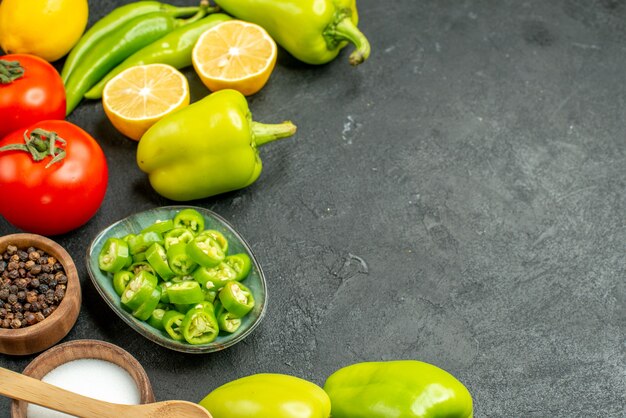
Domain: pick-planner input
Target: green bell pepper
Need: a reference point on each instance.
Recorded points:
(313, 31)
(236, 299)
(401, 389)
(268, 395)
(220, 152)
(114, 256)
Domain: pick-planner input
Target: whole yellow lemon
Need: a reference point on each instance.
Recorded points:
(46, 28)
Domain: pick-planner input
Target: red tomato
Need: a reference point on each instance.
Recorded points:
(37, 95)
(61, 197)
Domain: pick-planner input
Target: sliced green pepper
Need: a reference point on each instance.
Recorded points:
(114, 255)
(199, 326)
(209, 295)
(176, 236)
(241, 263)
(205, 251)
(160, 226)
(190, 219)
(236, 299)
(121, 280)
(156, 319)
(214, 278)
(139, 289)
(138, 266)
(172, 321)
(157, 257)
(148, 306)
(141, 242)
(228, 322)
(185, 293)
(403, 388)
(217, 236)
(179, 261)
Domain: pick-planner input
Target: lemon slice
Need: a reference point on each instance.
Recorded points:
(138, 97)
(235, 55)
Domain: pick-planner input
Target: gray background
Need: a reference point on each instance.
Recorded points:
(457, 199)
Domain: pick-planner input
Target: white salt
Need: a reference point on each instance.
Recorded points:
(94, 378)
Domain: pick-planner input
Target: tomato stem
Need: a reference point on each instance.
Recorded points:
(40, 144)
(10, 71)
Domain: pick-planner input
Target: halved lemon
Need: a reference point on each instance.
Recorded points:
(138, 97)
(235, 55)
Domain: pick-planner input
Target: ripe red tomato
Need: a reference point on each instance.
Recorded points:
(37, 95)
(55, 199)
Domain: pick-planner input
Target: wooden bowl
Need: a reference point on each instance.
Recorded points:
(43, 335)
(85, 349)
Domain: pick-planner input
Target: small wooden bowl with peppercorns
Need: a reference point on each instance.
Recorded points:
(40, 293)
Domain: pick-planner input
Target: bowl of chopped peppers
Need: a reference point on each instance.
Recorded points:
(181, 276)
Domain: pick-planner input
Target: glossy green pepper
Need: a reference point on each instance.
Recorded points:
(399, 389)
(313, 31)
(199, 326)
(268, 396)
(120, 281)
(236, 299)
(114, 255)
(190, 219)
(173, 49)
(220, 152)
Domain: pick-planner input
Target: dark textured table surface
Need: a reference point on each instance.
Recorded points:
(457, 199)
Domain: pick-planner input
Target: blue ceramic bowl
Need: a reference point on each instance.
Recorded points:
(236, 244)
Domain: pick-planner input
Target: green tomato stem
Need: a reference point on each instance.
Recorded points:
(10, 71)
(38, 147)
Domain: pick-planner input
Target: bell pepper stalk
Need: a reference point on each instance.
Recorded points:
(241, 263)
(144, 311)
(160, 226)
(313, 31)
(172, 321)
(268, 395)
(221, 148)
(199, 326)
(157, 257)
(236, 299)
(217, 236)
(179, 261)
(205, 251)
(176, 236)
(114, 255)
(139, 289)
(402, 388)
(214, 278)
(185, 293)
(190, 219)
(120, 281)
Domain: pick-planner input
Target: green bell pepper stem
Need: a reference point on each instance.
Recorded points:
(114, 255)
(346, 30)
(177, 235)
(157, 257)
(144, 311)
(264, 133)
(140, 243)
(403, 388)
(172, 321)
(173, 49)
(112, 22)
(236, 299)
(120, 281)
(159, 226)
(205, 251)
(241, 263)
(139, 290)
(199, 326)
(214, 278)
(217, 236)
(190, 219)
(179, 261)
(185, 293)
(228, 322)
(156, 319)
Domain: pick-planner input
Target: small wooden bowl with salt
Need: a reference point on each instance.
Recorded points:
(90, 367)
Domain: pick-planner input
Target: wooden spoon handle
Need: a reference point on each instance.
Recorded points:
(25, 388)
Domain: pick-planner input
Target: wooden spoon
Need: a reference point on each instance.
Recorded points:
(18, 386)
